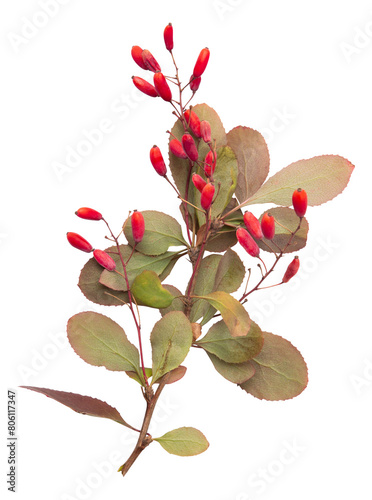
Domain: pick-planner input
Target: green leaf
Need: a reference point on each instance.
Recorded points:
(281, 372)
(233, 372)
(171, 339)
(288, 218)
(96, 292)
(100, 341)
(216, 272)
(184, 442)
(322, 177)
(253, 158)
(177, 304)
(231, 349)
(147, 291)
(161, 232)
(137, 264)
(232, 312)
(82, 404)
(225, 176)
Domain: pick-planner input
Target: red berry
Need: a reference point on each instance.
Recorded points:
(137, 56)
(104, 260)
(291, 270)
(157, 161)
(198, 182)
(268, 226)
(149, 61)
(88, 213)
(210, 163)
(168, 37)
(189, 147)
(247, 242)
(144, 86)
(176, 147)
(201, 62)
(253, 225)
(79, 242)
(299, 200)
(138, 226)
(162, 86)
(195, 83)
(193, 122)
(205, 131)
(207, 196)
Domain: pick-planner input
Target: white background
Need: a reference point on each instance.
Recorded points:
(310, 61)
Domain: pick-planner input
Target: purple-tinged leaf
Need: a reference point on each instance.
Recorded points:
(322, 177)
(82, 404)
(253, 158)
(281, 372)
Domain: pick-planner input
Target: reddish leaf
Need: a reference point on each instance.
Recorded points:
(82, 404)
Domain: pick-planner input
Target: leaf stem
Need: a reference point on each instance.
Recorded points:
(144, 439)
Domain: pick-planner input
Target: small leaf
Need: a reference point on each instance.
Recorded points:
(174, 375)
(231, 349)
(288, 218)
(147, 290)
(322, 177)
(281, 372)
(233, 372)
(253, 158)
(82, 404)
(99, 341)
(161, 232)
(232, 312)
(184, 442)
(138, 263)
(171, 340)
(134, 376)
(96, 292)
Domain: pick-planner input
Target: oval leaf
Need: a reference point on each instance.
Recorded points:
(233, 372)
(100, 341)
(184, 442)
(281, 371)
(147, 290)
(231, 349)
(288, 218)
(82, 404)
(253, 159)
(137, 264)
(161, 232)
(233, 313)
(96, 292)
(171, 339)
(322, 177)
